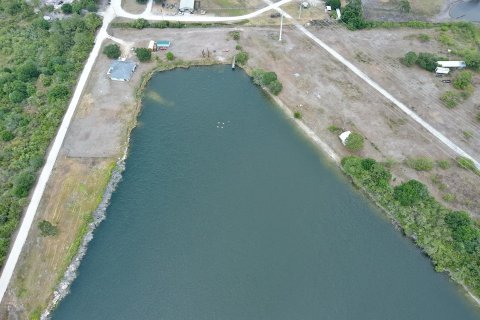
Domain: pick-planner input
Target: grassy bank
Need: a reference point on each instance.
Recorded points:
(450, 238)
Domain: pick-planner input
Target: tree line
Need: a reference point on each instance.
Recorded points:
(39, 65)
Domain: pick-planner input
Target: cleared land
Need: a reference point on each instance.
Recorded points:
(133, 6)
(324, 91)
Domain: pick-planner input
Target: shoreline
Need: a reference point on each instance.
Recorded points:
(70, 274)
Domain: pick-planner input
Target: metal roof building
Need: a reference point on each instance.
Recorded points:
(187, 5)
(452, 64)
(121, 70)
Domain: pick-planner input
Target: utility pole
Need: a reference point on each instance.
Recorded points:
(281, 28)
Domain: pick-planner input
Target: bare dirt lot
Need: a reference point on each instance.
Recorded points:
(323, 90)
(390, 10)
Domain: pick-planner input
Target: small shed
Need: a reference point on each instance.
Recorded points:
(152, 45)
(339, 14)
(441, 70)
(162, 44)
(121, 70)
(452, 64)
(344, 136)
(187, 5)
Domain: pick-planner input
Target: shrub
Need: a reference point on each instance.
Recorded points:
(47, 229)
(268, 77)
(472, 59)
(275, 87)
(427, 61)
(142, 1)
(22, 184)
(404, 6)
(140, 24)
(335, 4)
(423, 37)
(170, 56)
(7, 135)
(448, 197)
(59, 92)
(67, 8)
(354, 142)
(464, 232)
(410, 59)
(443, 164)
(297, 115)
(143, 54)
(451, 99)
(463, 80)
(235, 35)
(420, 164)
(238, 47)
(335, 129)
(241, 58)
(410, 193)
(112, 51)
(478, 117)
(467, 164)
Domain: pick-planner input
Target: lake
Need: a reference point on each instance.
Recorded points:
(226, 211)
(469, 10)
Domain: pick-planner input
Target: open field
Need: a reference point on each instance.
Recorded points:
(390, 9)
(323, 90)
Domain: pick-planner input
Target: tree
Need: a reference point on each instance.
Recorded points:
(463, 80)
(112, 51)
(67, 8)
(143, 54)
(335, 4)
(352, 15)
(28, 70)
(59, 92)
(463, 230)
(142, 1)
(410, 59)
(170, 56)
(354, 142)
(472, 59)
(268, 77)
(410, 193)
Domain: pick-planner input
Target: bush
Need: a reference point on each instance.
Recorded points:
(410, 193)
(467, 164)
(238, 47)
(22, 183)
(170, 56)
(464, 232)
(112, 51)
(241, 58)
(463, 80)
(451, 99)
(142, 1)
(443, 164)
(268, 77)
(297, 115)
(420, 164)
(427, 61)
(410, 59)
(140, 24)
(335, 4)
(472, 59)
(59, 92)
(67, 8)
(423, 37)
(47, 229)
(354, 142)
(7, 135)
(275, 87)
(143, 54)
(235, 35)
(404, 6)
(478, 117)
(335, 129)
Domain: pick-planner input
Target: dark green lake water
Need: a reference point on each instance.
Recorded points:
(244, 222)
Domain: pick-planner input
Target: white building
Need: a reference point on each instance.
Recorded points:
(187, 5)
(452, 64)
(441, 70)
(344, 136)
